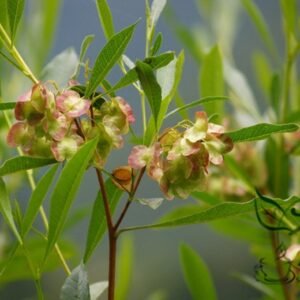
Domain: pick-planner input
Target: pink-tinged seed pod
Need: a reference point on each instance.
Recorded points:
(70, 103)
(17, 134)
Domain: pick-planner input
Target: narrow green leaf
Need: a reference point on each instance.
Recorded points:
(108, 56)
(159, 61)
(196, 103)
(15, 11)
(151, 87)
(85, 45)
(61, 67)
(157, 44)
(105, 18)
(259, 21)
(196, 274)
(125, 266)
(22, 163)
(260, 131)
(3, 15)
(36, 199)
(7, 105)
(155, 62)
(66, 189)
(216, 212)
(83, 49)
(289, 10)
(97, 226)
(211, 80)
(76, 286)
(6, 210)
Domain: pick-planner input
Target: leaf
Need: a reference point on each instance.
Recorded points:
(289, 10)
(195, 103)
(15, 10)
(3, 15)
(157, 44)
(125, 268)
(6, 210)
(211, 80)
(17, 268)
(76, 286)
(216, 212)
(97, 289)
(153, 203)
(108, 56)
(196, 274)
(88, 39)
(173, 72)
(23, 163)
(259, 21)
(155, 62)
(98, 226)
(157, 7)
(151, 87)
(7, 105)
(65, 191)
(61, 67)
(105, 18)
(36, 199)
(260, 131)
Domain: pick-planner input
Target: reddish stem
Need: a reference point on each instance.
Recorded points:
(111, 236)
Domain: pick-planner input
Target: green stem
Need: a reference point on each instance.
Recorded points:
(16, 55)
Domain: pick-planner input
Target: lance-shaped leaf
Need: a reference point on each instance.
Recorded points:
(108, 56)
(217, 212)
(155, 62)
(196, 274)
(83, 49)
(7, 105)
(260, 131)
(105, 18)
(22, 163)
(211, 80)
(15, 10)
(36, 199)
(76, 286)
(6, 210)
(97, 226)
(66, 189)
(150, 86)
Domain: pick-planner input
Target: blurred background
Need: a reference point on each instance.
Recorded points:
(156, 266)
